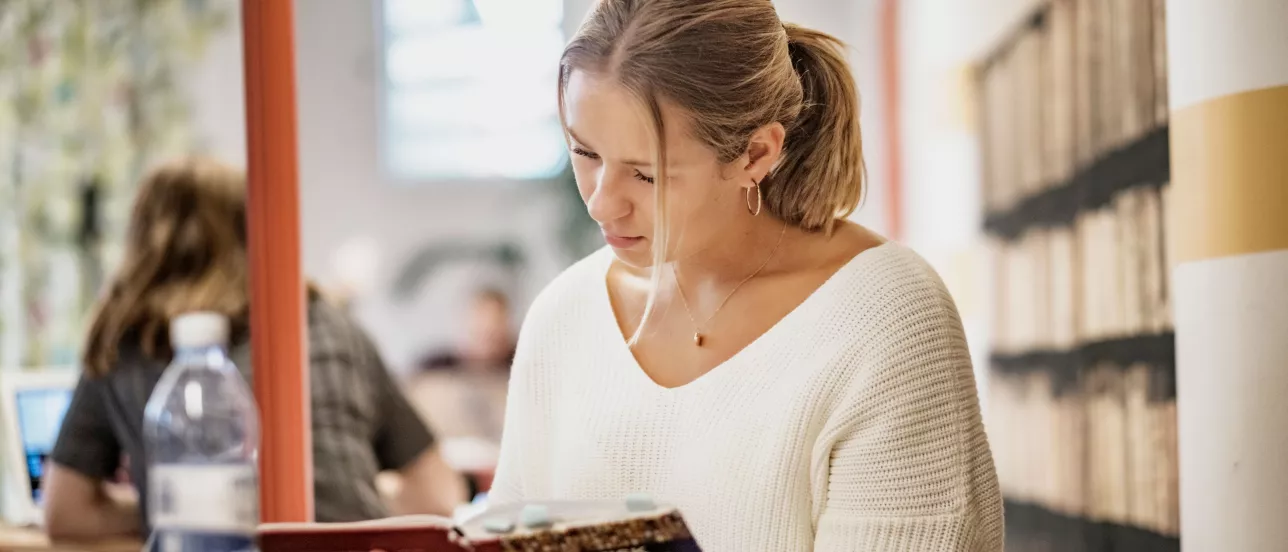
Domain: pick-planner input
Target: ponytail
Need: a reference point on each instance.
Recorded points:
(821, 174)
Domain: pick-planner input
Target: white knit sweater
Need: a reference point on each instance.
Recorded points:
(851, 425)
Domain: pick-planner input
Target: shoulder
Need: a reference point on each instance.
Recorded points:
(890, 293)
(903, 337)
(561, 315)
(333, 331)
(897, 325)
(570, 293)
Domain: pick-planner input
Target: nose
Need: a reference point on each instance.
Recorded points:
(608, 201)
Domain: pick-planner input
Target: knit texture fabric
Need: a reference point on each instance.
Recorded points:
(851, 425)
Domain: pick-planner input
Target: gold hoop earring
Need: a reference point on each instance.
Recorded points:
(759, 200)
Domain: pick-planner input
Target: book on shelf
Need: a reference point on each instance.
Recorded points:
(1073, 415)
(1153, 454)
(630, 525)
(1086, 43)
(1035, 265)
(1045, 104)
(1151, 270)
(1142, 464)
(1131, 250)
(1060, 95)
(1063, 264)
(1167, 490)
(1125, 28)
(1108, 430)
(998, 148)
(1162, 257)
(1141, 74)
(1106, 108)
(1127, 279)
(1160, 60)
(1012, 176)
(1112, 277)
(1028, 88)
(987, 147)
(1088, 264)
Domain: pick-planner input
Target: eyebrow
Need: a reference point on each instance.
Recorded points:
(632, 162)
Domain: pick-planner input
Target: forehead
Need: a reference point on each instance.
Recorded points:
(603, 115)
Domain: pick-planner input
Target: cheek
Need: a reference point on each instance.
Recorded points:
(701, 203)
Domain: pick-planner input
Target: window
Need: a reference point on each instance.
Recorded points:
(469, 89)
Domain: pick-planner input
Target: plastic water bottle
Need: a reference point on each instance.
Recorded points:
(201, 432)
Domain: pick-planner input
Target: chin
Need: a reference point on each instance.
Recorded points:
(633, 257)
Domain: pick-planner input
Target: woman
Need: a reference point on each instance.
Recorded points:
(186, 251)
(788, 379)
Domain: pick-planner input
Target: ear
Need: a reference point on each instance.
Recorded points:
(763, 151)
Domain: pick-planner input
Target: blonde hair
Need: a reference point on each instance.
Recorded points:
(733, 67)
(185, 250)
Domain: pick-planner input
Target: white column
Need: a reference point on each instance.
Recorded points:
(1229, 237)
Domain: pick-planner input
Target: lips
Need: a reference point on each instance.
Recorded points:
(622, 242)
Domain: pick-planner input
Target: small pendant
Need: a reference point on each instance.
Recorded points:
(698, 338)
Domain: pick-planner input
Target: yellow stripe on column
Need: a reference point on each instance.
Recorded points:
(1230, 174)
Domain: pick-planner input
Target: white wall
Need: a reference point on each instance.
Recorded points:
(217, 91)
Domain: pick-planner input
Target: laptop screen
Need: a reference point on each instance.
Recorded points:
(40, 414)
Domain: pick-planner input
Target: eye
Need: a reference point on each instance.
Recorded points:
(585, 153)
(640, 176)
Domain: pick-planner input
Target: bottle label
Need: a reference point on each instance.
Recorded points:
(215, 498)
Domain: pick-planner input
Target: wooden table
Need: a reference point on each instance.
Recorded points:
(21, 539)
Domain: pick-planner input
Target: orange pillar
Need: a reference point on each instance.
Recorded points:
(891, 89)
(278, 338)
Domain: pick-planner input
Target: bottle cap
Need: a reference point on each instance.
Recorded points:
(198, 329)
(640, 502)
(535, 516)
(498, 525)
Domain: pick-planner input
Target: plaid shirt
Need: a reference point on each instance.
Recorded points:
(362, 423)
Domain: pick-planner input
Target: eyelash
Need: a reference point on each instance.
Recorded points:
(589, 155)
(585, 153)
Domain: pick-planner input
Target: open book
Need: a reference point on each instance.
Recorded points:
(631, 525)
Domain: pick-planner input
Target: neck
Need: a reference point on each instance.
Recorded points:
(727, 262)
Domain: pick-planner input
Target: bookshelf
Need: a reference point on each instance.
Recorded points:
(1082, 398)
(1143, 163)
(1032, 527)
(1156, 351)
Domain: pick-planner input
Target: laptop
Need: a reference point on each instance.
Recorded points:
(32, 405)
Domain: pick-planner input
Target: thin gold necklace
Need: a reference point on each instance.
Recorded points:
(698, 337)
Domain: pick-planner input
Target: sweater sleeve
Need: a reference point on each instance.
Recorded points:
(525, 394)
(507, 485)
(908, 466)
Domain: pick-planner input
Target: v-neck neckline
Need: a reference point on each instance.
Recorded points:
(621, 347)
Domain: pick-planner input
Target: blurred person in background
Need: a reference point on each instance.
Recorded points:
(788, 379)
(487, 346)
(186, 251)
(461, 392)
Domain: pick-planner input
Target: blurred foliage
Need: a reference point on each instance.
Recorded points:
(90, 96)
